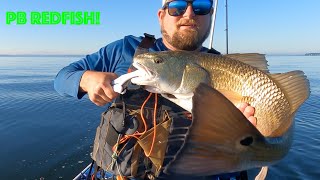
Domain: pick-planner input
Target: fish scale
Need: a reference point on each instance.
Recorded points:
(254, 86)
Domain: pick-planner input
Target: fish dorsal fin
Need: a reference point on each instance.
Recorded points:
(253, 59)
(295, 86)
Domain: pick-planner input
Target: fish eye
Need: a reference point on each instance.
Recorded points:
(158, 60)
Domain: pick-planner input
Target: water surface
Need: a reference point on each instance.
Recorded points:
(46, 135)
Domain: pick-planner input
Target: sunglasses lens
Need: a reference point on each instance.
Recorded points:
(177, 8)
(201, 7)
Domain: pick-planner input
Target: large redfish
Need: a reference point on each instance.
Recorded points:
(220, 138)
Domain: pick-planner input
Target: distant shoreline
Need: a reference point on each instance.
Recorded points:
(312, 54)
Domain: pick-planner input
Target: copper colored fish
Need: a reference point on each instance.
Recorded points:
(220, 138)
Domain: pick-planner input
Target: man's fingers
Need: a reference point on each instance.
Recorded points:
(98, 86)
(107, 87)
(98, 95)
(253, 120)
(103, 94)
(100, 91)
(109, 92)
(248, 112)
(242, 106)
(98, 100)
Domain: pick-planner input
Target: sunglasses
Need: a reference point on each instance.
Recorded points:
(179, 7)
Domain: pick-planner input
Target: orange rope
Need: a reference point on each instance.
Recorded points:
(142, 117)
(137, 134)
(154, 124)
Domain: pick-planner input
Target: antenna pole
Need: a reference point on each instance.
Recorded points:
(213, 21)
(227, 38)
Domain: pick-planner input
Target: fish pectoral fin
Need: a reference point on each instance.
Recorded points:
(216, 113)
(253, 59)
(219, 138)
(295, 85)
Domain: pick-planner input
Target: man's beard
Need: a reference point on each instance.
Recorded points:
(188, 40)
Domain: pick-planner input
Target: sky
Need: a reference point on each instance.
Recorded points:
(260, 26)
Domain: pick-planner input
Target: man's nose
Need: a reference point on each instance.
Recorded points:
(189, 11)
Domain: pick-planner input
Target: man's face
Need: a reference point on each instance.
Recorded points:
(185, 32)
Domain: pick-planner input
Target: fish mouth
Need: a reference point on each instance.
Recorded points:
(142, 68)
(147, 76)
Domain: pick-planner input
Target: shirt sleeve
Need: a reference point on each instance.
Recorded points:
(67, 81)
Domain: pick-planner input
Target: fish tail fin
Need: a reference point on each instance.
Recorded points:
(218, 139)
(295, 85)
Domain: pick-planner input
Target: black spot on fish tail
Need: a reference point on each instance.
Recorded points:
(247, 141)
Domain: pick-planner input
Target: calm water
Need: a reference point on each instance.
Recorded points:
(45, 135)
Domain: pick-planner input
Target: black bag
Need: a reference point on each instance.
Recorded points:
(115, 122)
(119, 120)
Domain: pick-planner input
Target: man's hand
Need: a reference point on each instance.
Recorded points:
(248, 112)
(98, 86)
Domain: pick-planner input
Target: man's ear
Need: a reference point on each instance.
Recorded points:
(161, 14)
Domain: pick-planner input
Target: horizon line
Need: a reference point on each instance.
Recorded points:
(82, 55)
